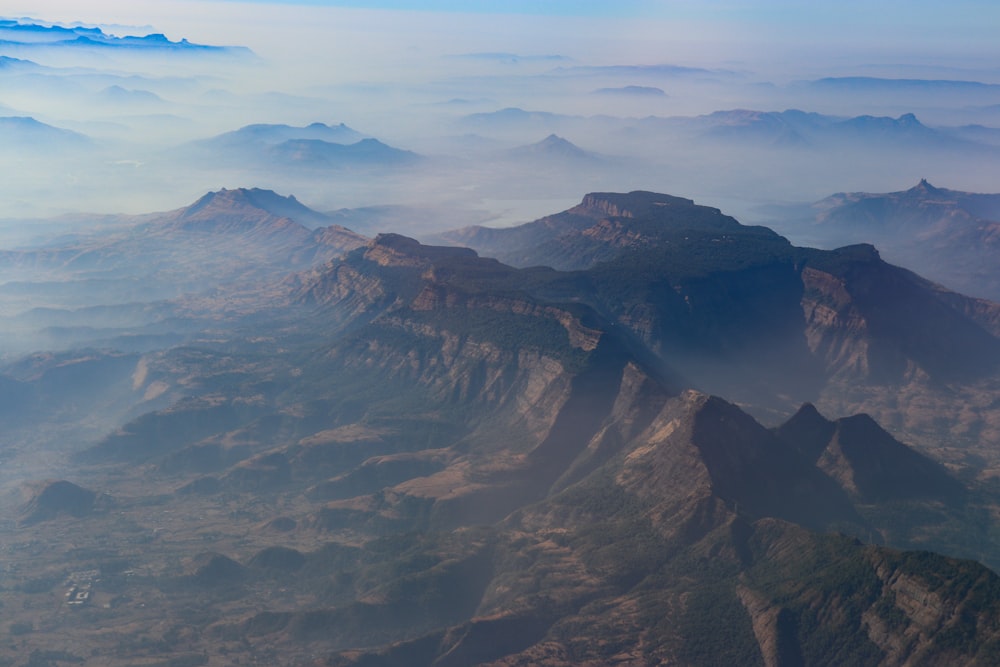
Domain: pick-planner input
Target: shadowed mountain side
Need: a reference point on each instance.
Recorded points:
(53, 498)
(867, 462)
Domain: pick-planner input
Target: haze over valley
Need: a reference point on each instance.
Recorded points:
(661, 334)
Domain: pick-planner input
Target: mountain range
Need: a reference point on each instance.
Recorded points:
(312, 146)
(402, 453)
(29, 34)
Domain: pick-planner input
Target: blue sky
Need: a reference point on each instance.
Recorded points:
(548, 8)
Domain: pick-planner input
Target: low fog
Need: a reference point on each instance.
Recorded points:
(469, 96)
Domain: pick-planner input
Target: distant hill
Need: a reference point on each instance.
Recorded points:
(271, 134)
(26, 132)
(552, 148)
(638, 91)
(793, 128)
(318, 153)
(315, 146)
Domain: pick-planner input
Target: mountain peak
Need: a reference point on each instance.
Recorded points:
(873, 466)
(552, 146)
(253, 202)
(808, 431)
(924, 188)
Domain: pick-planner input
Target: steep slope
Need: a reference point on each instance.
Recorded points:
(865, 460)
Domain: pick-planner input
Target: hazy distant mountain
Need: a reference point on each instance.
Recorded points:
(553, 148)
(794, 128)
(865, 83)
(317, 146)
(318, 153)
(653, 71)
(270, 134)
(26, 132)
(25, 33)
(9, 64)
(749, 128)
(952, 236)
(641, 91)
(512, 117)
(503, 57)
(123, 96)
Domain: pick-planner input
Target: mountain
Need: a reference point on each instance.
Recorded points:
(869, 464)
(242, 206)
(588, 233)
(317, 153)
(130, 97)
(312, 146)
(251, 135)
(237, 235)
(937, 86)
(793, 128)
(552, 148)
(23, 132)
(640, 91)
(513, 117)
(53, 498)
(951, 235)
(30, 34)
